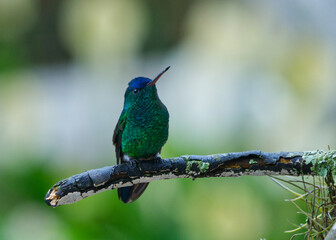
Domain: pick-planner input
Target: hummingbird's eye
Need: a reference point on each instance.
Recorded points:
(135, 91)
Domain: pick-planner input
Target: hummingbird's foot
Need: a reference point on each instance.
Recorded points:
(136, 162)
(132, 163)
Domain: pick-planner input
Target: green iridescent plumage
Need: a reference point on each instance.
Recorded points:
(146, 128)
(142, 128)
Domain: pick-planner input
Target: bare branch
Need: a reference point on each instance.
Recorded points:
(254, 163)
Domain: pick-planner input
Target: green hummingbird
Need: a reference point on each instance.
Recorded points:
(142, 129)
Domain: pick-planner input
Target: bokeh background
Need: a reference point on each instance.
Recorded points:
(245, 75)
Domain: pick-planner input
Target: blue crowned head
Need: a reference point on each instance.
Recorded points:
(141, 89)
(139, 82)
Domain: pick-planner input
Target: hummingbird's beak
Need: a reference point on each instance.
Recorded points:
(157, 77)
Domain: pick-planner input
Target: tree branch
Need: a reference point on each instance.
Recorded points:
(254, 163)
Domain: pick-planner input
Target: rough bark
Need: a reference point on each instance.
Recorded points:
(254, 163)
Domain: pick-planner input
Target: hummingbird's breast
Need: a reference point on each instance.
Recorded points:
(146, 129)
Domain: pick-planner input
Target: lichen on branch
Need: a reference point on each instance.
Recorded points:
(323, 162)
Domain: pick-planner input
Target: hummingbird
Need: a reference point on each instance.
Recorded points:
(142, 129)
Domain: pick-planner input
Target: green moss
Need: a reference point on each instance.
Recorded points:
(323, 162)
(202, 166)
(252, 162)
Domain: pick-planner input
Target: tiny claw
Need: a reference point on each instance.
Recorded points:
(132, 163)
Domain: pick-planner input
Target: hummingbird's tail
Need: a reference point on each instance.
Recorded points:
(132, 193)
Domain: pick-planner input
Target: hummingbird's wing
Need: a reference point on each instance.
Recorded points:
(116, 139)
(131, 193)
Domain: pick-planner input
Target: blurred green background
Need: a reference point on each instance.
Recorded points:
(245, 75)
